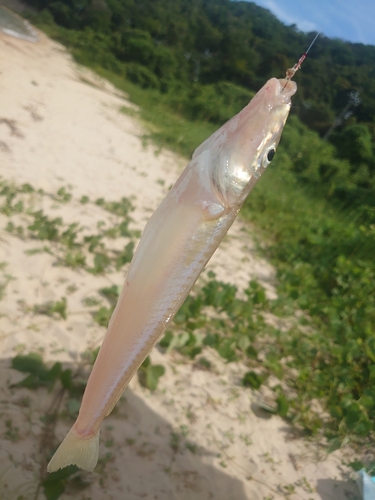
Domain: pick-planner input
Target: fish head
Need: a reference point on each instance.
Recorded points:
(241, 150)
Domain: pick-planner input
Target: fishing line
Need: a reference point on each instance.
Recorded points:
(290, 72)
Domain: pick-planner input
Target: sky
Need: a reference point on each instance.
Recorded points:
(351, 20)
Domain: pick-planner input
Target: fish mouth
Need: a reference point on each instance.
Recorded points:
(287, 87)
(279, 92)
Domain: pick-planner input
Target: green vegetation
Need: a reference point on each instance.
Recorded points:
(4, 279)
(68, 389)
(50, 308)
(324, 257)
(192, 49)
(66, 241)
(149, 374)
(339, 375)
(307, 356)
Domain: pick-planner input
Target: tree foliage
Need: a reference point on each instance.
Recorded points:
(208, 57)
(207, 41)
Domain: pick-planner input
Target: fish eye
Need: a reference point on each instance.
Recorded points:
(267, 157)
(271, 154)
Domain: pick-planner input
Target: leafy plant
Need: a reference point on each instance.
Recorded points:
(149, 374)
(103, 315)
(253, 380)
(45, 228)
(12, 432)
(74, 259)
(49, 308)
(63, 195)
(39, 374)
(121, 208)
(125, 256)
(84, 199)
(4, 280)
(91, 301)
(55, 483)
(101, 262)
(112, 293)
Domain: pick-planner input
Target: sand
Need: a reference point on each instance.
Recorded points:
(200, 434)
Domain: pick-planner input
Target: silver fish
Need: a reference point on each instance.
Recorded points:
(176, 244)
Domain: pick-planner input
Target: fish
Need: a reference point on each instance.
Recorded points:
(176, 244)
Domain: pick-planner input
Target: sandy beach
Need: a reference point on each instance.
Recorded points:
(199, 435)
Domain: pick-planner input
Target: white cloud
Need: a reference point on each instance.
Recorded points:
(287, 18)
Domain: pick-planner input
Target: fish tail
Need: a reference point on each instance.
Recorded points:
(76, 450)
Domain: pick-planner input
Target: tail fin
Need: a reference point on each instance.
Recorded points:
(74, 450)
